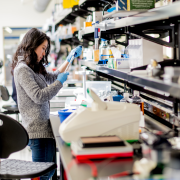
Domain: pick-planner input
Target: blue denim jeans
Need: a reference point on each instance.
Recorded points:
(43, 150)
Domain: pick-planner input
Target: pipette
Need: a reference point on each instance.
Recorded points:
(70, 62)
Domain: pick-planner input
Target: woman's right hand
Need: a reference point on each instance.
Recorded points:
(62, 77)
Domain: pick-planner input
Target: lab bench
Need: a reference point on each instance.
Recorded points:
(105, 168)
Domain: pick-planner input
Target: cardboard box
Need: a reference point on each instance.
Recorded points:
(128, 5)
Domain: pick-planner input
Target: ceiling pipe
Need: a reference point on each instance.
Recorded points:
(40, 5)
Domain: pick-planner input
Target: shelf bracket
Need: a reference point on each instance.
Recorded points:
(162, 30)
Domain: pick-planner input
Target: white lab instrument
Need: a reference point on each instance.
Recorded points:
(84, 73)
(103, 118)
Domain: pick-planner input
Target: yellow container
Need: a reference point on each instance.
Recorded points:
(96, 55)
(74, 2)
(110, 54)
(87, 24)
(70, 3)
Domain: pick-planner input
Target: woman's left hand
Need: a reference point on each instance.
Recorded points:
(75, 52)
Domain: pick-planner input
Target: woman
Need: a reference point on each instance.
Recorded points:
(33, 93)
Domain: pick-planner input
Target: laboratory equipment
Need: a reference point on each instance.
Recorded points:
(171, 74)
(122, 63)
(88, 22)
(97, 34)
(136, 99)
(97, 16)
(87, 54)
(64, 113)
(153, 69)
(125, 98)
(140, 52)
(84, 73)
(103, 118)
(103, 49)
(69, 64)
(82, 154)
(97, 87)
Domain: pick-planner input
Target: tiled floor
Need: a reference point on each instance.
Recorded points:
(24, 154)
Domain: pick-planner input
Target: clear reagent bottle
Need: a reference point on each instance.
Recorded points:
(136, 99)
(125, 98)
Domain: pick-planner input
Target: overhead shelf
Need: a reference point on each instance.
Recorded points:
(149, 82)
(156, 14)
(73, 40)
(82, 10)
(62, 15)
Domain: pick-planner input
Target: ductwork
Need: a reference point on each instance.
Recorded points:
(41, 5)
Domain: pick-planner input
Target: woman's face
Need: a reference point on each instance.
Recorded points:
(41, 50)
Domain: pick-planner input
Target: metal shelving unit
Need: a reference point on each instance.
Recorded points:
(172, 88)
(164, 21)
(161, 13)
(73, 40)
(81, 10)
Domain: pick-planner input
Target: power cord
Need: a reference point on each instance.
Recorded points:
(106, 7)
(122, 174)
(107, 4)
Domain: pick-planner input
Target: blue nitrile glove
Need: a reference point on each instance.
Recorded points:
(62, 77)
(75, 52)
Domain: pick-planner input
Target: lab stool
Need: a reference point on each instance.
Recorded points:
(13, 137)
(11, 109)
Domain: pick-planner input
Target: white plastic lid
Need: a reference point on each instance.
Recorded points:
(136, 93)
(112, 42)
(126, 95)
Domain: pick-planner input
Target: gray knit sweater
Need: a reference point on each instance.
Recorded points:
(33, 99)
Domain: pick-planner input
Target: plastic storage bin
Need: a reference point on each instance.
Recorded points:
(64, 113)
(117, 98)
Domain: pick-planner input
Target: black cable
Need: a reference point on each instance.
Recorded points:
(105, 7)
(108, 3)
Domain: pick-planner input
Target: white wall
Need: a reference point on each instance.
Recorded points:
(14, 13)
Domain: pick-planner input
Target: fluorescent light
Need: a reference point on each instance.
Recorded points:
(9, 30)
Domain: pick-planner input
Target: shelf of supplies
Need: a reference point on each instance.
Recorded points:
(147, 82)
(156, 14)
(68, 16)
(123, 13)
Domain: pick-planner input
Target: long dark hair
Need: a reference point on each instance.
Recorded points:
(32, 39)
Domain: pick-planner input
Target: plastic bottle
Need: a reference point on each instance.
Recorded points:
(112, 45)
(103, 49)
(136, 99)
(125, 98)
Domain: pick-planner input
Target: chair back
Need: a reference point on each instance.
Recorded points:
(13, 136)
(4, 93)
